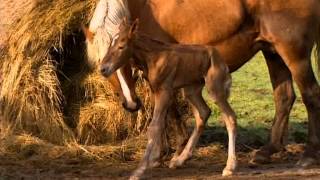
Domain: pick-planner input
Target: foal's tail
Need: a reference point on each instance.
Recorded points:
(317, 42)
(317, 51)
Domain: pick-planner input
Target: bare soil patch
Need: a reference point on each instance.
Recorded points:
(46, 161)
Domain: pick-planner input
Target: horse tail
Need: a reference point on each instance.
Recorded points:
(317, 50)
(317, 43)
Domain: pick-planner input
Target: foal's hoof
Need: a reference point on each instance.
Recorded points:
(260, 157)
(305, 162)
(155, 164)
(133, 177)
(227, 172)
(175, 163)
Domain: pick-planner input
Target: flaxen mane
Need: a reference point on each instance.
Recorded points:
(104, 24)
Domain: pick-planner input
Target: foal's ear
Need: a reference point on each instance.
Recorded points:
(134, 28)
(88, 34)
(123, 24)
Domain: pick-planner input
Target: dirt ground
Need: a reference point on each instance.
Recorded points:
(207, 163)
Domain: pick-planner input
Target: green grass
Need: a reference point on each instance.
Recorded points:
(252, 100)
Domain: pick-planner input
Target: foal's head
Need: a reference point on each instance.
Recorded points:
(120, 51)
(118, 56)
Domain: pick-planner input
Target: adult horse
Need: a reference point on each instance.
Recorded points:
(284, 30)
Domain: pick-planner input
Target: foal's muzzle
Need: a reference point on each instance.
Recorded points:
(129, 108)
(106, 69)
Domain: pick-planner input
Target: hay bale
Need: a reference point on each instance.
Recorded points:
(95, 112)
(31, 94)
(49, 91)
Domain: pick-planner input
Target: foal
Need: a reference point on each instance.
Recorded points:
(168, 67)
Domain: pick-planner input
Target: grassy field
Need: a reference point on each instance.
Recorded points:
(252, 100)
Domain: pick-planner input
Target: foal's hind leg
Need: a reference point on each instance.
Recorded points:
(284, 98)
(229, 118)
(155, 130)
(218, 83)
(201, 112)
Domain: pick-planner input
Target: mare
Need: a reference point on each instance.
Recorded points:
(167, 68)
(284, 30)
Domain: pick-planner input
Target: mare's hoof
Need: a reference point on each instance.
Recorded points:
(227, 172)
(260, 157)
(305, 162)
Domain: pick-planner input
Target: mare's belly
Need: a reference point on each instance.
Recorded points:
(198, 21)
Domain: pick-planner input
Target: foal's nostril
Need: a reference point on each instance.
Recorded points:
(104, 70)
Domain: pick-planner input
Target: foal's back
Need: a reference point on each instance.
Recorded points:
(182, 64)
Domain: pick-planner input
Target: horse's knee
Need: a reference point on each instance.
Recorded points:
(230, 120)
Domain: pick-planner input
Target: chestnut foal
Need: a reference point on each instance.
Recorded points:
(168, 67)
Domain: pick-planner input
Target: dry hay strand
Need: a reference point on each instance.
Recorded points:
(100, 116)
(104, 124)
(145, 113)
(42, 153)
(31, 94)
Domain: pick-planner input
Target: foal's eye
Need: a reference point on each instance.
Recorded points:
(121, 47)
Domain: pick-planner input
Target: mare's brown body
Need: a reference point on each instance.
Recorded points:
(170, 67)
(285, 31)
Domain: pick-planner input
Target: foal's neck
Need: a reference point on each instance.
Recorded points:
(146, 49)
(147, 44)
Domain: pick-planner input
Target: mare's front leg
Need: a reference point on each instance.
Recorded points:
(284, 98)
(155, 130)
(201, 112)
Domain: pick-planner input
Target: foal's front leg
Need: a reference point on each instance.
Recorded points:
(162, 102)
(201, 112)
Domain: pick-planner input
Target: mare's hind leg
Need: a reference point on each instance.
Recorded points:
(284, 98)
(218, 83)
(293, 39)
(201, 112)
(155, 131)
(298, 61)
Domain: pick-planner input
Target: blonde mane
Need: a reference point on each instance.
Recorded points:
(104, 24)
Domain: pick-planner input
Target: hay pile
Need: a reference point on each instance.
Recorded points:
(49, 92)
(47, 89)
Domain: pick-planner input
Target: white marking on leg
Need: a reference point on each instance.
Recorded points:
(232, 158)
(126, 90)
